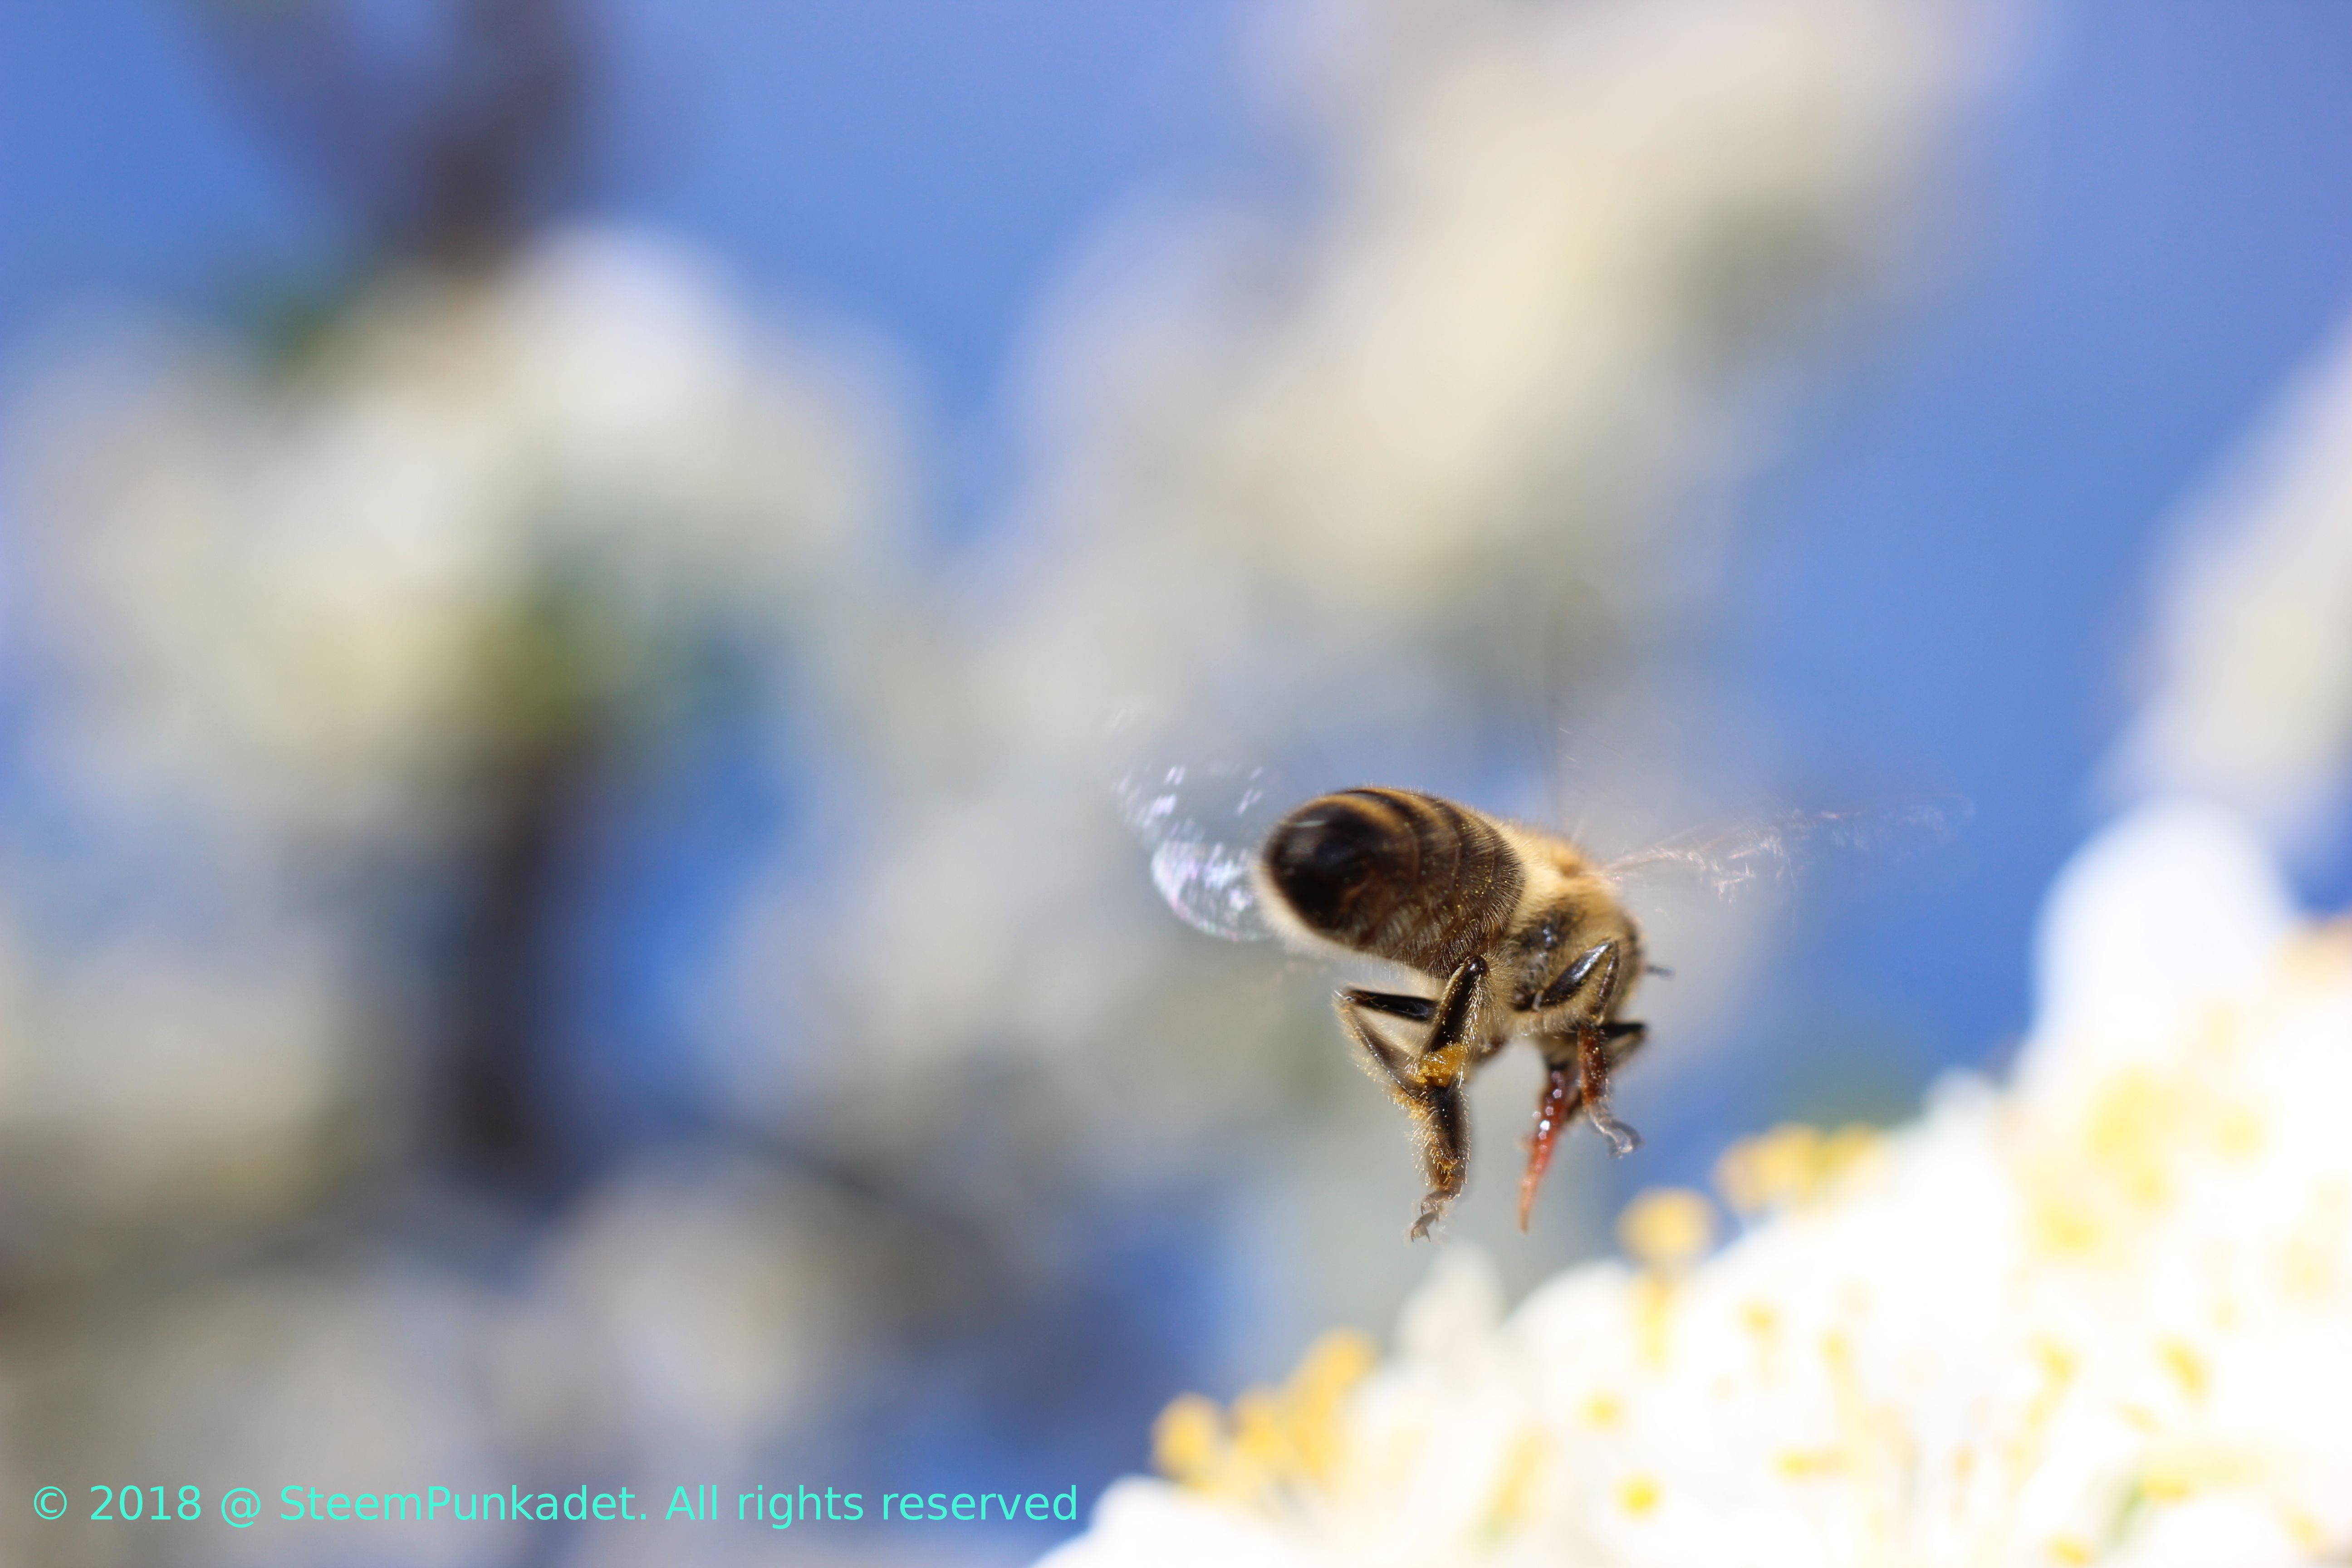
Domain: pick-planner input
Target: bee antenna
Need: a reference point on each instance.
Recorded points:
(1662, 971)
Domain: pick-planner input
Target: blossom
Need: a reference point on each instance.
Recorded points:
(282, 599)
(278, 617)
(2102, 1314)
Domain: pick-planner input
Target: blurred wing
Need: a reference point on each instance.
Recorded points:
(1764, 857)
(1201, 823)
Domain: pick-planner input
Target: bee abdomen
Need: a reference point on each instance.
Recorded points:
(1396, 874)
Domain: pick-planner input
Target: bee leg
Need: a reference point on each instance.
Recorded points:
(1575, 977)
(1561, 1097)
(1391, 1065)
(1589, 983)
(1453, 1026)
(1623, 1039)
(1428, 1084)
(1443, 1128)
(1593, 1063)
(1420, 1009)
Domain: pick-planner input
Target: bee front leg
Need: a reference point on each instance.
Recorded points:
(1577, 1062)
(1428, 1084)
(1593, 1067)
(1587, 989)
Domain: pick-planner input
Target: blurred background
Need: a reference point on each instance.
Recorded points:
(566, 565)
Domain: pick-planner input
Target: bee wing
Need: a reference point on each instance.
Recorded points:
(1202, 825)
(1201, 822)
(1762, 858)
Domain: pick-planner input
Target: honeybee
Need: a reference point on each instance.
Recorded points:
(1519, 935)
(1502, 931)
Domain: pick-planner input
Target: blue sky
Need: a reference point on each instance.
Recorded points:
(916, 168)
(1956, 556)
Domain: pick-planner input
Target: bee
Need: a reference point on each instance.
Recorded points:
(1518, 932)
(1500, 930)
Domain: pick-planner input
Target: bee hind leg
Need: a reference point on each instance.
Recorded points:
(1443, 1128)
(1427, 1084)
(1418, 1009)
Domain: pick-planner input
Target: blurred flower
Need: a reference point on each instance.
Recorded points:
(302, 646)
(1554, 238)
(2103, 1316)
(684, 1321)
(292, 592)
(2253, 698)
(315, 643)
(155, 1081)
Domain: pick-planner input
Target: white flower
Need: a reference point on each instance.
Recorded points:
(2103, 1315)
(278, 617)
(158, 1078)
(273, 595)
(1554, 235)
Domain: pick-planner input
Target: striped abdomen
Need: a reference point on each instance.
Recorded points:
(1395, 874)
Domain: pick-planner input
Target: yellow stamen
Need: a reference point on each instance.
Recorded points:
(2185, 1366)
(1791, 1163)
(1271, 1438)
(1667, 1229)
(1188, 1441)
(1520, 1470)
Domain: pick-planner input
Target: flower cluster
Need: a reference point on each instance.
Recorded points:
(289, 593)
(2102, 1315)
(274, 622)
